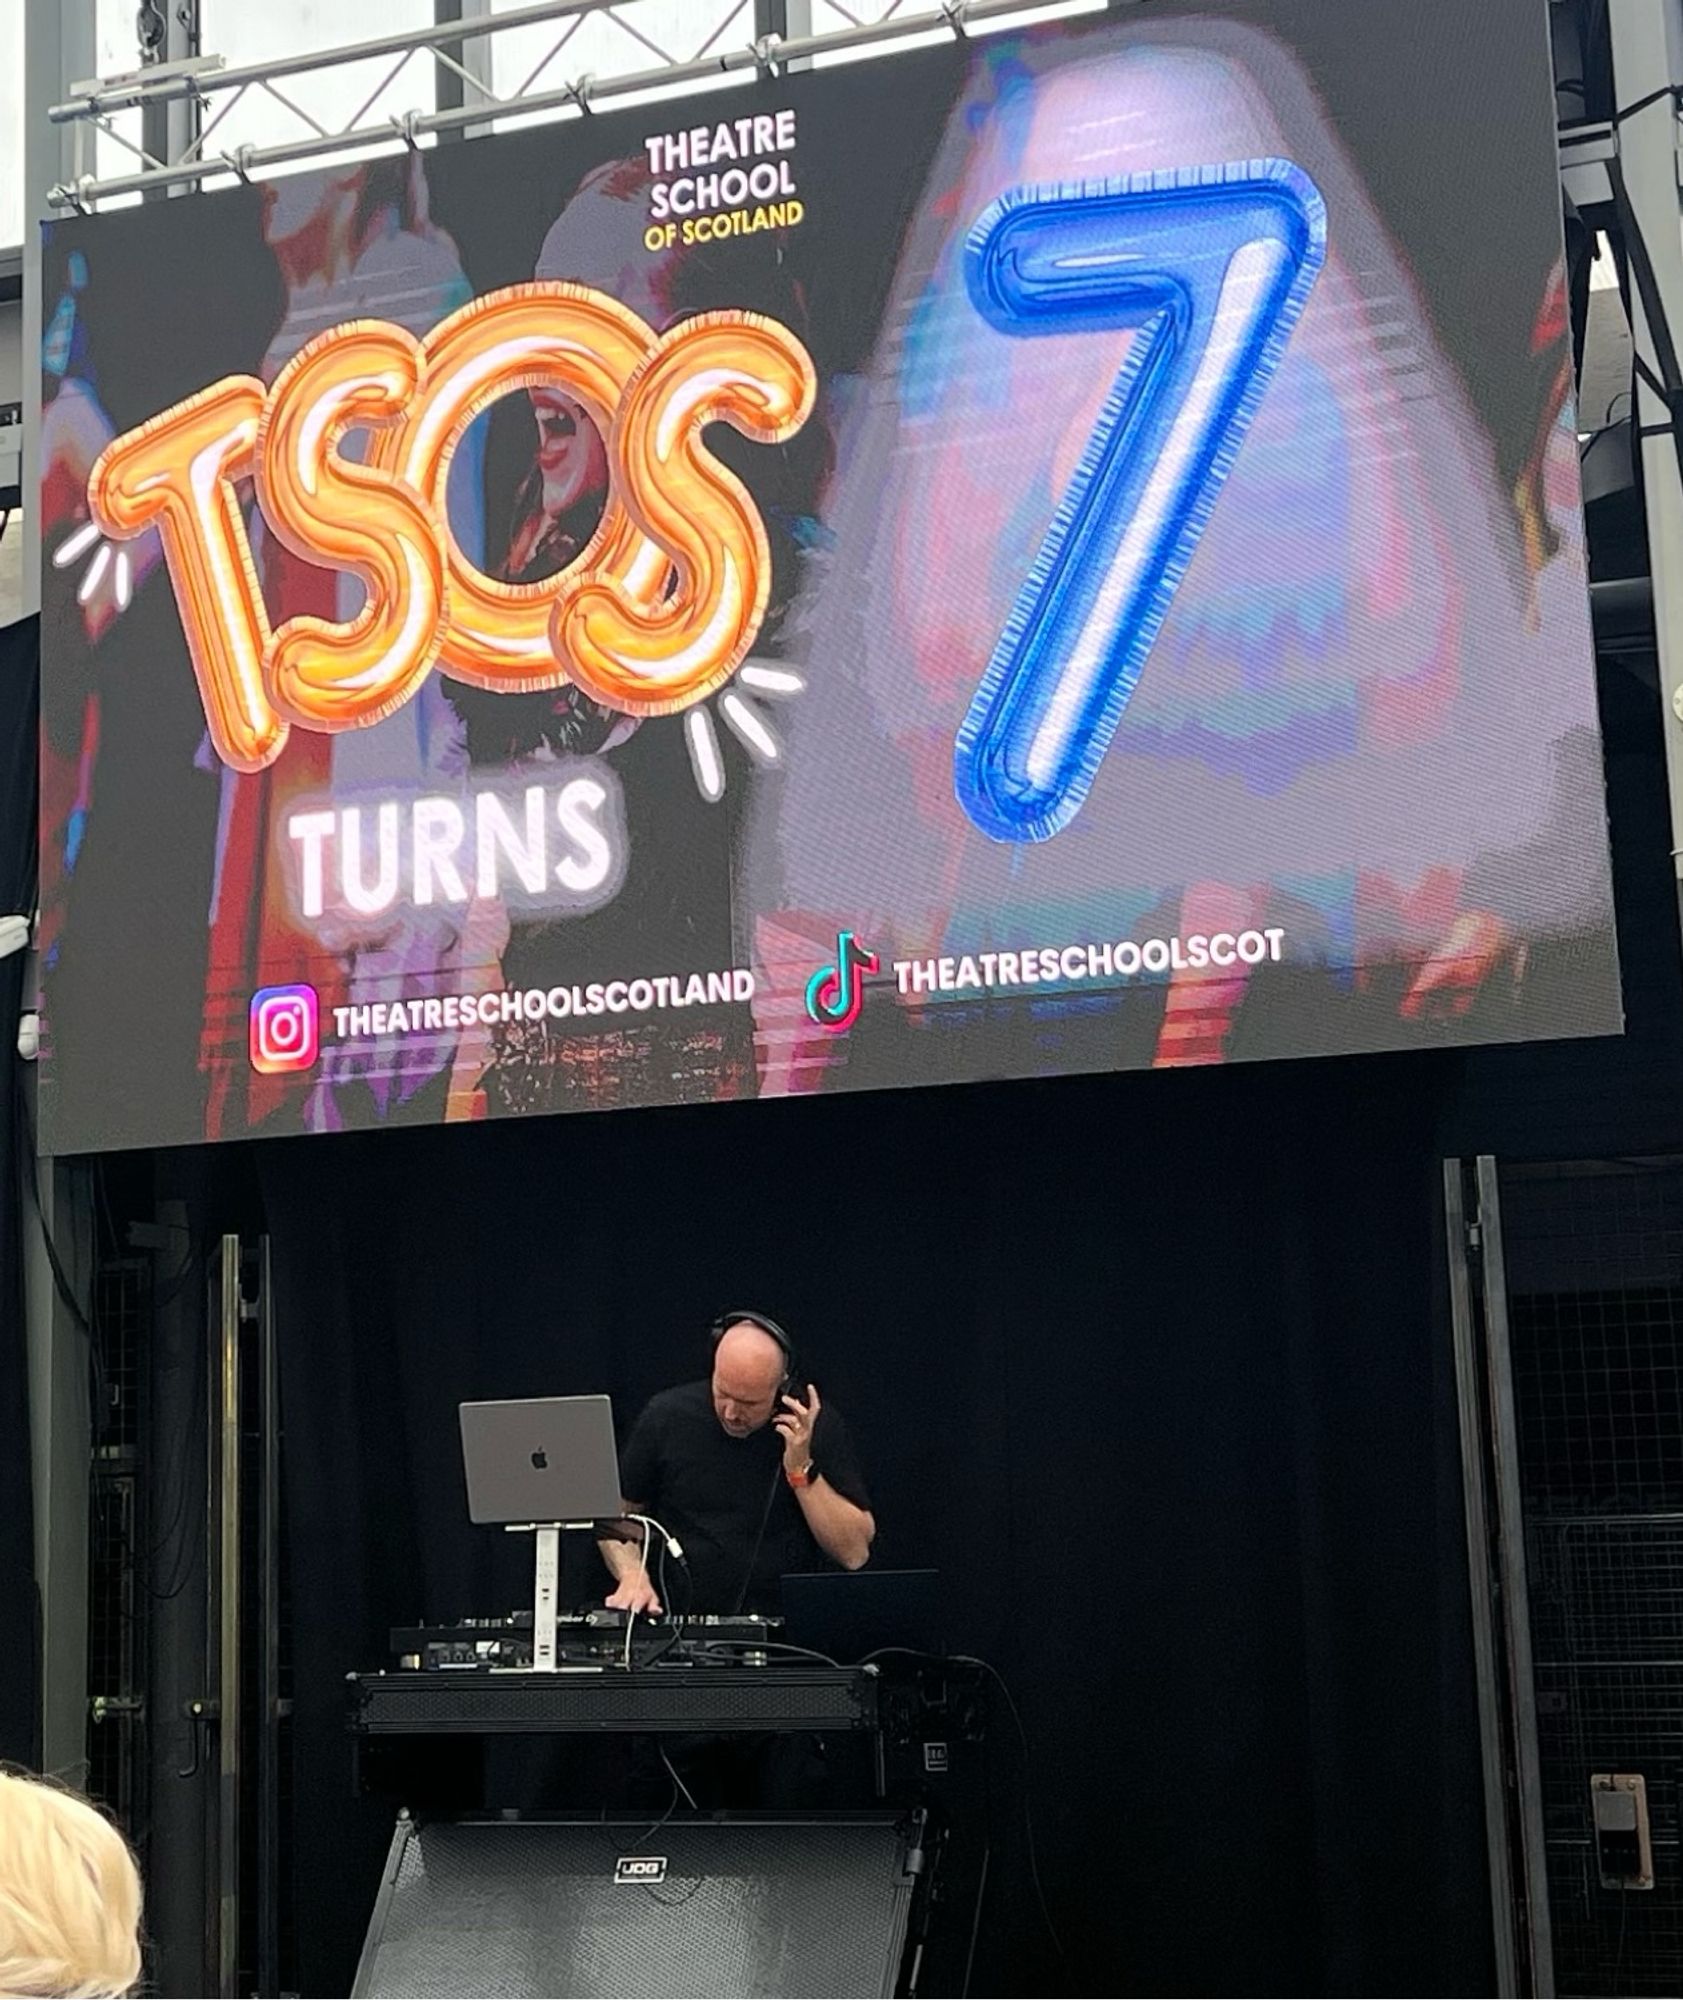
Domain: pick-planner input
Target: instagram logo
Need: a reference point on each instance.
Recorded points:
(835, 993)
(285, 1029)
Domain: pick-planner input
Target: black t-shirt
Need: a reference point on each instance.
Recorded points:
(712, 1491)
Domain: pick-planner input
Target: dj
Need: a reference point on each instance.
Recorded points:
(752, 1473)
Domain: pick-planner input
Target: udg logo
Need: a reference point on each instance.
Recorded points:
(640, 1869)
(835, 993)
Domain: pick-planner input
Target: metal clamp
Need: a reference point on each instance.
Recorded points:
(201, 1714)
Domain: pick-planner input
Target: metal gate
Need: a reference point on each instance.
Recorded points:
(1568, 1306)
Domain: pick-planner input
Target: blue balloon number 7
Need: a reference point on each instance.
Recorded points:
(1210, 267)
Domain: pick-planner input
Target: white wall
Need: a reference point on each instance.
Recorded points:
(11, 572)
(11, 353)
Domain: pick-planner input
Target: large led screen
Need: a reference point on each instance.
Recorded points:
(1054, 552)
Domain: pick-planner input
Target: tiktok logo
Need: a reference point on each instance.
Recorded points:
(835, 993)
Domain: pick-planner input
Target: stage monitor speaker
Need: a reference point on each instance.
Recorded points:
(733, 1907)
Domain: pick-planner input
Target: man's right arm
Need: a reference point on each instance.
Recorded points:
(633, 1587)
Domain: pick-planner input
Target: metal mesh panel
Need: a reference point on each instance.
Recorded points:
(746, 1908)
(1609, 1717)
(115, 1536)
(1595, 1292)
(1607, 1589)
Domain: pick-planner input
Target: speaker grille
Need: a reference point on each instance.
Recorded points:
(747, 1907)
(723, 1698)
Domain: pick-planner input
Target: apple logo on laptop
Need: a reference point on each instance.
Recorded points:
(540, 1459)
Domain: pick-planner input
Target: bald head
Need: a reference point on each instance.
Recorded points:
(748, 1371)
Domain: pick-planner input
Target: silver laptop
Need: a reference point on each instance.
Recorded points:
(550, 1459)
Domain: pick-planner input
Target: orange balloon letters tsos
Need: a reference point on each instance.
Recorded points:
(653, 616)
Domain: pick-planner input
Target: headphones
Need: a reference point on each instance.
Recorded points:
(716, 1333)
(767, 1325)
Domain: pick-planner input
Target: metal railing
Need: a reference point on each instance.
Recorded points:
(203, 83)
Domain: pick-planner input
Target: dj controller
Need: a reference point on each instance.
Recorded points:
(476, 1678)
(582, 1639)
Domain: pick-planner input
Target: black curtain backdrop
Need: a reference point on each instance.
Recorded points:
(20, 1737)
(1155, 1369)
(1147, 1367)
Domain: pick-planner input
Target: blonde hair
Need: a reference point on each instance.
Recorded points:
(69, 1895)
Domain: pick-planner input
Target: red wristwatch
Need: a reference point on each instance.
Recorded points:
(807, 1474)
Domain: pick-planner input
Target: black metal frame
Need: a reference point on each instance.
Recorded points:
(1497, 1576)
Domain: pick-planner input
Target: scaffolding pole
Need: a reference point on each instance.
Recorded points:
(766, 54)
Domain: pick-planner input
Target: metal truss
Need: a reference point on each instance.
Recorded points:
(180, 152)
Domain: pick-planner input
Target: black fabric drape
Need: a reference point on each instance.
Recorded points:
(20, 1707)
(1144, 1365)
(1152, 1367)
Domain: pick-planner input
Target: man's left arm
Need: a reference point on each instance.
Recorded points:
(842, 1528)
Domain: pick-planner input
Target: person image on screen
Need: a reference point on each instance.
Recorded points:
(752, 1472)
(353, 244)
(547, 479)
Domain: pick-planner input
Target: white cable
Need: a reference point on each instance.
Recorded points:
(674, 1548)
(670, 1547)
(631, 1615)
(672, 1772)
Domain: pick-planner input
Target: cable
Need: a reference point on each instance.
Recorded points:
(672, 1771)
(182, 1564)
(631, 1614)
(1627, 111)
(1596, 58)
(759, 1539)
(173, 1286)
(676, 1633)
(651, 1526)
(1619, 1953)
(679, 1790)
(1667, 383)
(61, 1281)
(186, 1562)
(774, 1646)
(84, 1320)
(1000, 1682)
(669, 1546)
